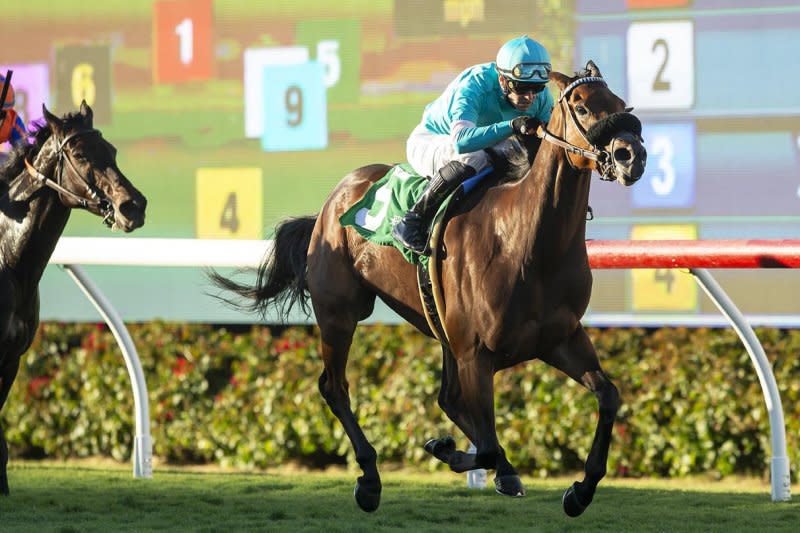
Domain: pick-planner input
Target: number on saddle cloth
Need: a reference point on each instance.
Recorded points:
(388, 199)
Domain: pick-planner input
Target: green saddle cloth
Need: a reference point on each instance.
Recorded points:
(384, 204)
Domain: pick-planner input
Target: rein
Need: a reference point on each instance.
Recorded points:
(102, 204)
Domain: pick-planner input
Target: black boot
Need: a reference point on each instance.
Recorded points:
(412, 230)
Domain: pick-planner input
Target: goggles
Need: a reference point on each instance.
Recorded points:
(522, 87)
(528, 71)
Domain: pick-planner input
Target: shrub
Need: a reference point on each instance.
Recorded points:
(248, 397)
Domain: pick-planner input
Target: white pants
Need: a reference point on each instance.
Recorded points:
(427, 152)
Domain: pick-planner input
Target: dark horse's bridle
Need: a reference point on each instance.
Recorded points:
(603, 129)
(98, 201)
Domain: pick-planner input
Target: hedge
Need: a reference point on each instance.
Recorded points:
(247, 397)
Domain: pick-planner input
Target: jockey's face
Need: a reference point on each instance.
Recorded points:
(521, 95)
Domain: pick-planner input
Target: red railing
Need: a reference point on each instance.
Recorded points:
(753, 253)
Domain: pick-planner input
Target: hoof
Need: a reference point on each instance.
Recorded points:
(571, 502)
(368, 495)
(442, 448)
(509, 485)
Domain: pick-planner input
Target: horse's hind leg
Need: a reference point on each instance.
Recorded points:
(578, 360)
(338, 306)
(506, 479)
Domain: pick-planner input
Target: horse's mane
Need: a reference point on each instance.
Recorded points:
(39, 132)
(15, 161)
(513, 163)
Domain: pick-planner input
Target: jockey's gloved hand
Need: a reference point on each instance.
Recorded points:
(525, 125)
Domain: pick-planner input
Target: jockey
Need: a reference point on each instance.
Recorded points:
(482, 107)
(12, 127)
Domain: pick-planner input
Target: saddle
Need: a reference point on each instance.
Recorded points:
(384, 203)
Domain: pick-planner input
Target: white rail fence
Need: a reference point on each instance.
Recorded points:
(75, 251)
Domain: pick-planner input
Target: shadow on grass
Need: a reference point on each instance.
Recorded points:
(103, 500)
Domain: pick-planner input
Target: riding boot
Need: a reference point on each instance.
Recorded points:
(413, 229)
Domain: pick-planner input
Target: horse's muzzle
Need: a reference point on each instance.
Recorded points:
(129, 215)
(629, 158)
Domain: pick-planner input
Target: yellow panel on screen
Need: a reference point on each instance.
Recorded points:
(663, 289)
(229, 203)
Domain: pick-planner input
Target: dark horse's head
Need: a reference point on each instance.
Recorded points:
(71, 157)
(605, 136)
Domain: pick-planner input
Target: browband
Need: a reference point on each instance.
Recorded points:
(581, 81)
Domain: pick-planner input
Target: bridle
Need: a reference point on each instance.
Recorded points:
(95, 200)
(603, 158)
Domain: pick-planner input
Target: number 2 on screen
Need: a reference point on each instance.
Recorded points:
(660, 84)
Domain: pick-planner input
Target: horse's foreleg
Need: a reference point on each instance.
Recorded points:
(580, 494)
(337, 335)
(506, 479)
(7, 376)
(475, 379)
(579, 361)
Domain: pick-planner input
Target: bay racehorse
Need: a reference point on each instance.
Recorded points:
(69, 165)
(515, 280)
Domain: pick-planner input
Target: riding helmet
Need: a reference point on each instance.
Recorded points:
(523, 59)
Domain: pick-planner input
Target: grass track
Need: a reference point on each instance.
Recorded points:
(75, 498)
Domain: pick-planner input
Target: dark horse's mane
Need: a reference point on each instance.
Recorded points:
(15, 161)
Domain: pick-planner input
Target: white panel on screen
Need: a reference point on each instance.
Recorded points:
(661, 65)
(254, 61)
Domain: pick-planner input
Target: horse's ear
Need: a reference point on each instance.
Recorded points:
(50, 118)
(560, 79)
(86, 111)
(592, 69)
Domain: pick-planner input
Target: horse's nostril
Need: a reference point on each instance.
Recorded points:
(133, 209)
(622, 154)
(140, 202)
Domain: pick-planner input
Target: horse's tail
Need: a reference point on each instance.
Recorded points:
(281, 277)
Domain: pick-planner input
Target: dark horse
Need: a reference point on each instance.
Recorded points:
(69, 165)
(515, 279)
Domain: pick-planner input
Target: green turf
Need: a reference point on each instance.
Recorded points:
(68, 498)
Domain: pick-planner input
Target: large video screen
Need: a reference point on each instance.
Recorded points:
(230, 115)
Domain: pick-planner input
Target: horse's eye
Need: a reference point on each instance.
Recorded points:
(581, 110)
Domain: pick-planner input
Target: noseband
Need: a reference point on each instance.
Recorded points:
(604, 129)
(101, 204)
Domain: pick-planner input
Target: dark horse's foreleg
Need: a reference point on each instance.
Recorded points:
(578, 360)
(7, 374)
(3, 451)
(506, 479)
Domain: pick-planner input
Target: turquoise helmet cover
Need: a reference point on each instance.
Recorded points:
(523, 59)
